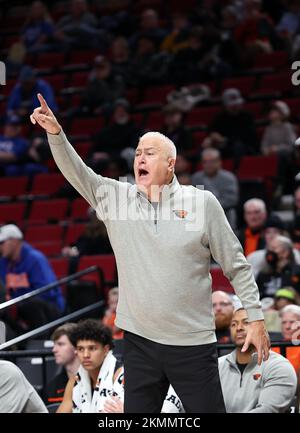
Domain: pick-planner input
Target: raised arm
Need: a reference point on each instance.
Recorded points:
(83, 178)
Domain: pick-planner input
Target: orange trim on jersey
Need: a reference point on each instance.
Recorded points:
(17, 281)
(55, 400)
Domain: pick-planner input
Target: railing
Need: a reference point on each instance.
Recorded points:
(56, 283)
(14, 355)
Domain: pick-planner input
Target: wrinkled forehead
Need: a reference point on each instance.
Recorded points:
(150, 142)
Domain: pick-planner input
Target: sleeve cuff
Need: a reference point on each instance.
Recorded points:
(255, 314)
(55, 139)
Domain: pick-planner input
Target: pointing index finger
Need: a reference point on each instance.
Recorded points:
(43, 103)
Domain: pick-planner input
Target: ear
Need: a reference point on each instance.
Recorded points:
(171, 164)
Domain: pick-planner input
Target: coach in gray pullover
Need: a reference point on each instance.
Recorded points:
(163, 235)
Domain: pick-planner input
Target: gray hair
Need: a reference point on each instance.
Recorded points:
(211, 151)
(285, 242)
(294, 309)
(257, 202)
(172, 152)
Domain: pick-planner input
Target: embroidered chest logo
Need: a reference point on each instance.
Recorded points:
(180, 213)
(256, 376)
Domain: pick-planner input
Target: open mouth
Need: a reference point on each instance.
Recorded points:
(143, 172)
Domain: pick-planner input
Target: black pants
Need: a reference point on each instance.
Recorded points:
(150, 367)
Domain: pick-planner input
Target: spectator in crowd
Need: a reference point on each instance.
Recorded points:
(149, 27)
(274, 226)
(123, 131)
(279, 137)
(272, 319)
(94, 239)
(78, 29)
(285, 296)
(103, 87)
(148, 66)
(175, 129)
(23, 97)
(228, 47)
(120, 58)
(110, 314)
(100, 376)
(295, 232)
(255, 216)
(24, 269)
(297, 201)
(198, 61)
(247, 387)
(222, 183)
(38, 29)
(289, 24)
(223, 310)
(66, 358)
(232, 131)
(256, 33)
(282, 269)
(13, 147)
(273, 306)
(30, 162)
(177, 39)
(290, 329)
(17, 395)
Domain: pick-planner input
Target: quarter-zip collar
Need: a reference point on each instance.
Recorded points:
(167, 190)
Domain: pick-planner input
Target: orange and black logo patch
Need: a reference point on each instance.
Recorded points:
(256, 376)
(180, 213)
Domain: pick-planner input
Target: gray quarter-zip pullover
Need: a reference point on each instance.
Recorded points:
(163, 255)
(268, 388)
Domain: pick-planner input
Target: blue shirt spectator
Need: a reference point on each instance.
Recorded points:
(13, 147)
(38, 29)
(23, 98)
(24, 269)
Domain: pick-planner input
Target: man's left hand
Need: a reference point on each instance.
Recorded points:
(258, 336)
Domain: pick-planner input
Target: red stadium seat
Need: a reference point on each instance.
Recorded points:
(82, 57)
(198, 137)
(219, 281)
(44, 233)
(83, 149)
(279, 82)
(79, 209)
(255, 108)
(106, 263)
(157, 95)
(57, 82)
(50, 60)
(12, 213)
(79, 79)
(50, 249)
(202, 116)
(275, 60)
(74, 231)
(13, 186)
(47, 184)
(244, 84)
(294, 105)
(155, 121)
(86, 126)
(60, 266)
(43, 211)
(258, 167)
